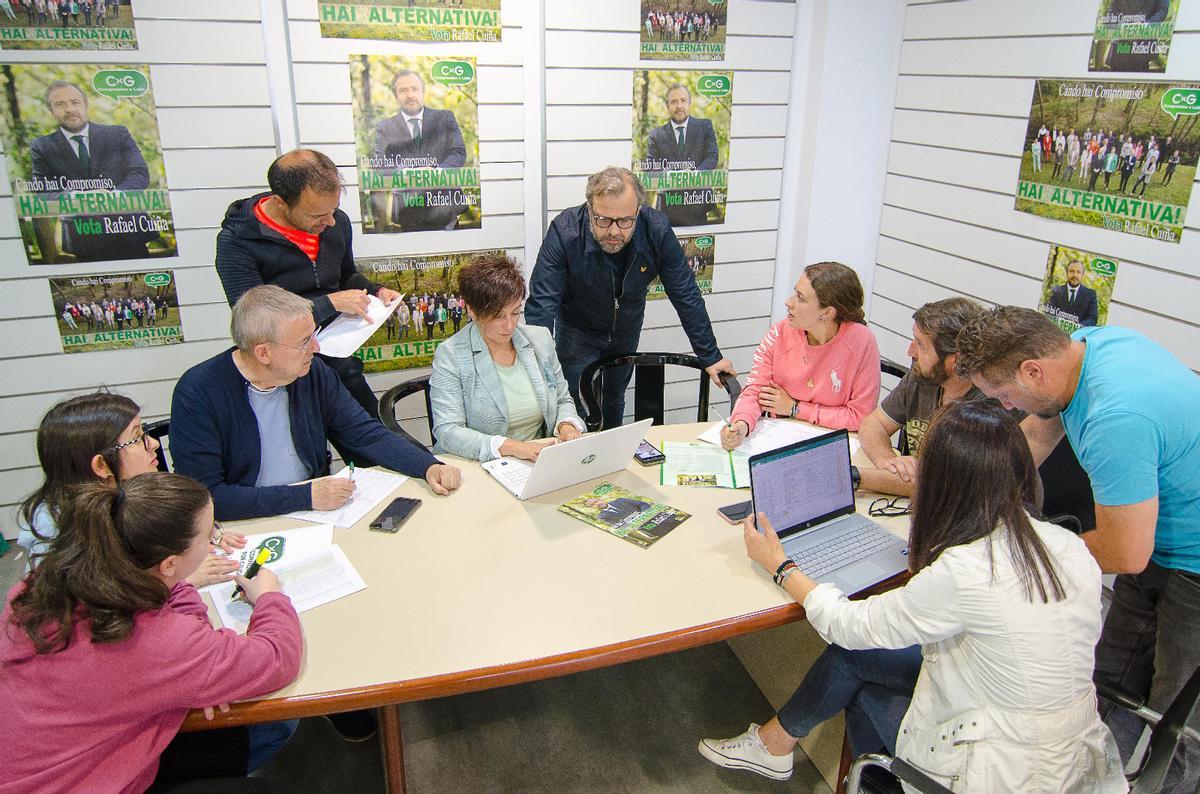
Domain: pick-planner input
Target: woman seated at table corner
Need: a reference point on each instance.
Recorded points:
(497, 388)
(105, 647)
(821, 364)
(89, 438)
(978, 671)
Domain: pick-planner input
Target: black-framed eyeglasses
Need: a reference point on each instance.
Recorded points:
(884, 507)
(142, 437)
(303, 346)
(603, 222)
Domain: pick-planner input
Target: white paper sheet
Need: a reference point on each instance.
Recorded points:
(769, 434)
(347, 333)
(287, 546)
(310, 583)
(371, 487)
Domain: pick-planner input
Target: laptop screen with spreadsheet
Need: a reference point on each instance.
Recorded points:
(804, 484)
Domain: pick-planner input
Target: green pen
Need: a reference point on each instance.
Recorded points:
(351, 471)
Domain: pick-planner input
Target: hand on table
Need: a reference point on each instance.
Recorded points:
(775, 400)
(714, 370)
(330, 493)
(228, 541)
(443, 478)
(214, 570)
(904, 467)
(731, 437)
(350, 301)
(525, 450)
(763, 547)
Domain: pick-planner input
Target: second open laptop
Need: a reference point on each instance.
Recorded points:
(807, 494)
(569, 462)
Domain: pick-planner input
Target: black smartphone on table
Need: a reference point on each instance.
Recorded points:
(395, 514)
(736, 513)
(648, 455)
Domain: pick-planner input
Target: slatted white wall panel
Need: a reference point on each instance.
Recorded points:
(214, 112)
(591, 52)
(948, 224)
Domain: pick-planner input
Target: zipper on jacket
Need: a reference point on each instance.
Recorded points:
(616, 304)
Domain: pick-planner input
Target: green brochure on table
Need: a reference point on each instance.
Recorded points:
(641, 520)
(704, 465)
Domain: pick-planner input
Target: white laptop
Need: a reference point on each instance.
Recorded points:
(569, 462)
(806, 492)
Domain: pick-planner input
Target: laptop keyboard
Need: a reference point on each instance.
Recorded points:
(856, 543)
(512, 475)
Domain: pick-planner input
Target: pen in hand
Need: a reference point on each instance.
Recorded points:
(351, 471)
(262, 556)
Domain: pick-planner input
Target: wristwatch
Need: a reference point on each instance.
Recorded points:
(855, 477)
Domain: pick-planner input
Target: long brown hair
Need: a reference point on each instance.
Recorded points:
(101, 565)
(838, 286)
(977, 477)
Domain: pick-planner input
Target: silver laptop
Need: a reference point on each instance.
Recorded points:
(806, 493)
(569, 462)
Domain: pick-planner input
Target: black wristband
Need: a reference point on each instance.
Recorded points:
(855, 478)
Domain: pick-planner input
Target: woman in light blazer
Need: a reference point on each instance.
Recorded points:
(978, 672)
(497, 388)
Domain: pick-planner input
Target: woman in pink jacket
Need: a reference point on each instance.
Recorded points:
(105, 647)
(821, 364)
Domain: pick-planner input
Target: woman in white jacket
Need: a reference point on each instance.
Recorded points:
(1005, 610)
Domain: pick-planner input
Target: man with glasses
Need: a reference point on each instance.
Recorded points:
(252, 423)
(589, 285)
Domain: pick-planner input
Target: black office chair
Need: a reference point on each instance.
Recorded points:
(889, 367)
(1067, 498)
(387, 405)
(649, 380)
(159, 431)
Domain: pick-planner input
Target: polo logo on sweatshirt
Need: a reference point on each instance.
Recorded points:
(835, 380)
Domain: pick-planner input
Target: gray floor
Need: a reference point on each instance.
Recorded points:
(631, 728)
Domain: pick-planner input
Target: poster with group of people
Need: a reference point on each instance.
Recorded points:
(416, 134)
(681, 142)
(85, 160)
(1120, 156)
(411, 20)
(67, 25)
(111, 311)
(1133, 35)
(1077, 288)
(431, 311)
(683, 30)
(700, 253)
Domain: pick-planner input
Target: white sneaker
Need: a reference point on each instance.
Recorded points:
(747, 752)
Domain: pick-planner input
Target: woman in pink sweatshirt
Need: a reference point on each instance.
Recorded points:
(105, 647)
(821, 364)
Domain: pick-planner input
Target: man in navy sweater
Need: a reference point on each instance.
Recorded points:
(253, 423)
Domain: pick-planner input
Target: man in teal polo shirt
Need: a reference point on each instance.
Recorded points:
(1131, 411)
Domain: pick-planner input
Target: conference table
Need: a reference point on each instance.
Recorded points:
(481, 590)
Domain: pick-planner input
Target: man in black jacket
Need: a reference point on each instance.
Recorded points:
(589, 285)
(295, 237)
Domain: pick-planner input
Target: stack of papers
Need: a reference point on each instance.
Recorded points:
(370, 488)
(286, 545)
(769, 434)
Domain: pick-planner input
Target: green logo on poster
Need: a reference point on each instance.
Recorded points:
(1103, 267)
(274, 545)
(117, 83)
(716, 2)
(704, 242)
(450, 73)
(713, 84)
(1178, 102)
(157, 279)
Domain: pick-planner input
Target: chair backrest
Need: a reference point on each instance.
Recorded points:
(1165, 737)
(649, 384)
(387, 404)
(159, 431)
(1066, 488)
(889, 367)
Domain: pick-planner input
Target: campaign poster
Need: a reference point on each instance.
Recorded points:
(113, 311)
(430, 312)
(683, 30)
(681, 142)
(699, 253)
(1077, 288)
(1133, 35)
(1119, 156)
(411, 20)
(69, 25)
(85, 160)
(416, 134)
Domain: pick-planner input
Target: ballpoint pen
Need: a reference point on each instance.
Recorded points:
(351, 471)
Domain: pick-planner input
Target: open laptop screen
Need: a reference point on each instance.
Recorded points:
(804, 484)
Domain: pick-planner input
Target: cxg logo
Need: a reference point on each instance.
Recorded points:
(157, 279)
(1178, 102)
(117, 83)
(450, 73)
(714, 85)
(588, 459)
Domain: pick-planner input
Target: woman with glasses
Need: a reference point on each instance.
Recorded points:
(978, 672)
(821, 364)
(497, 388)
(105, 646)
(97, 437)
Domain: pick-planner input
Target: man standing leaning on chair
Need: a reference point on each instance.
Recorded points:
(590, 279)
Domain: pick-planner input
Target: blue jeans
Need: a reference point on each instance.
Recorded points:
(873, 687)
(1135, 655)
(267, 739)
(576, 349)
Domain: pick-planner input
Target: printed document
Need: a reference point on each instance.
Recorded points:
(769, 434)
(286, 545)
(347, 333)
(371, 487)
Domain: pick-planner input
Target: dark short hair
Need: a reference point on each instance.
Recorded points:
(996, 342)
(57, 84)
(489, 282)
(943, 319)
(291, 173)
(838, 286)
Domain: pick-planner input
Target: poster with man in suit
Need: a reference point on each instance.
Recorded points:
(85, 159)
(416, 133)
(1077, 288)
(681, 142)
